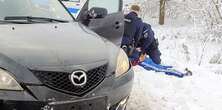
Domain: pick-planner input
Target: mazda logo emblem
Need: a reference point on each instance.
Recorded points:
(78, 78)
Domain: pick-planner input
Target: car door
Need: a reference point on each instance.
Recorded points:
(111, 26)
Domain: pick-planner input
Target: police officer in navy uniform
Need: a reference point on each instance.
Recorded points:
(149, 45)
(132, 30)
(138, 40)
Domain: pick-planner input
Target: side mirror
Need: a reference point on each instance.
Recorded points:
(97, 12)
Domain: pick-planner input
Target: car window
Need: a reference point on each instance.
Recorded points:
(111, 5)
(35, 8)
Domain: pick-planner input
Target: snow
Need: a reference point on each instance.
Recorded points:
(156, 91)
(190, 38)
(181, 48)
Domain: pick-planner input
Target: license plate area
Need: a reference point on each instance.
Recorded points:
(86, 104)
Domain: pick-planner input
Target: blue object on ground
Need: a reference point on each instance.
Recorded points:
(148, 64)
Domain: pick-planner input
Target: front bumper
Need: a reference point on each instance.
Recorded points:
(109, 93)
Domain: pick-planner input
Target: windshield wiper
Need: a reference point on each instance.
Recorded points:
(31, 19)
(12, 22)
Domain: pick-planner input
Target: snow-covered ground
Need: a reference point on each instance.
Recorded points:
(156, 91)
(180, 48)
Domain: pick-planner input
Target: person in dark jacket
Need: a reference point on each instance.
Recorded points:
(147, 38)
(132, 29)
(149, 45)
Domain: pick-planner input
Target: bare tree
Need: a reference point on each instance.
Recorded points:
(162, 12)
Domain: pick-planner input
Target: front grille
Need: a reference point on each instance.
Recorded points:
(60, 81)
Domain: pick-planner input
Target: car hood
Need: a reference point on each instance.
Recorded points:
(52, 44)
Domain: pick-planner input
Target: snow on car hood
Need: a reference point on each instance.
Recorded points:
(50, 44)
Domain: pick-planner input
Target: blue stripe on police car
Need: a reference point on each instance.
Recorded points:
(73, 10)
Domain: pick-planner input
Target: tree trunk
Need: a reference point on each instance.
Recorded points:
(162, 12)
(216, 4)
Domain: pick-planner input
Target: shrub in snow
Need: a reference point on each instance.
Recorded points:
(216, 59)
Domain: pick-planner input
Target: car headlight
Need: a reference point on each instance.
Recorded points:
(7, 82)
(123, 64)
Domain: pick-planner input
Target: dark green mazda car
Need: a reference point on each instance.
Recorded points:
(51, 60)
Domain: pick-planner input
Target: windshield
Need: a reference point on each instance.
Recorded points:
(35, 8)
